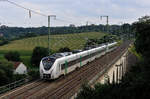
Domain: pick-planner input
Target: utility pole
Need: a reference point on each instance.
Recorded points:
(87, 23)
(49, 17)
(121, 30)
(107, 24)
(107, 21)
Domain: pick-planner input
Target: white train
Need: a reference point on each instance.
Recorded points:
(51, 67)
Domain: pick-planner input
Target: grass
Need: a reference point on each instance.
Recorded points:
(73, 41)
(26, 46)
(119, 42)
(133, 50)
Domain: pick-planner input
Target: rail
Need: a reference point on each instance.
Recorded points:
(13, 85)
(108, 66)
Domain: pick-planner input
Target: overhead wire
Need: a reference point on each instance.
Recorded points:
(72, 36)
(39, 13)
(26, 8)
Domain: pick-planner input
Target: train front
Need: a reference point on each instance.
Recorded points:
(46, 67)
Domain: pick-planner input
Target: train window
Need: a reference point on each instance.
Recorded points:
(63, 66)
(73, 62)
(48, 62)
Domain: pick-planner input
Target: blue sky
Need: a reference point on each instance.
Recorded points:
(73, 11)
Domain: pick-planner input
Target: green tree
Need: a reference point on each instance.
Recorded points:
(3, 41)
(64, 49)
(6, 72)
(3, 77)
(12, 56)
(38, 54)
(142, 42)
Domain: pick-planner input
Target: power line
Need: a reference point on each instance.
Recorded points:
(67, 21)
(30, 10)
(25, 8)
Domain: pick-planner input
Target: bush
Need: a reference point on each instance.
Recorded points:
(142, 28)
(38, 54)
(3, 77)
(6, 72)
(3, 41)
(34, 73)
(64, 49)
(17, 77)
(12, 56)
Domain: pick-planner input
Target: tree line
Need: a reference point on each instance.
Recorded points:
(13, 33)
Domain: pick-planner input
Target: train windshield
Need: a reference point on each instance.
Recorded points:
(48, 62)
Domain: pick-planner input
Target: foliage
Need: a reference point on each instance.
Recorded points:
(17, 77)
(38, 54)
(132, 50)
(72, 41)
(26, 46)
(86, 91)
(3, 41)
(104, 39)
(64, 49)
(34, 73)
(12, 56)
(142, 43)
(14, 33)
(6, 72)
(136, 82)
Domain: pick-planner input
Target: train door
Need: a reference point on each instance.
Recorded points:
(66, 67)
(76, 61)
(59, 69)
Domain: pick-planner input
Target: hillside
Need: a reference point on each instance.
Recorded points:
(21, 32)
(73, 41)
(26, 46)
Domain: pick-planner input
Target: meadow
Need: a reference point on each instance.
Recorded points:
(25, 46)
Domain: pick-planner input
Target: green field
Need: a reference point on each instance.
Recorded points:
(26, 46)
(73, 41)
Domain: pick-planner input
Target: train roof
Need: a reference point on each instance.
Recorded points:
(67, 55)
(80, 53)
(58, 55)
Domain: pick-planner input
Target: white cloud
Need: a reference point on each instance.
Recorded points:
(74, 11)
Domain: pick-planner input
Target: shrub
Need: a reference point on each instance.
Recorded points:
(64, 49)
(38, 54)
(34, 73)
(17, 77)
(12, 56)
(6, 72)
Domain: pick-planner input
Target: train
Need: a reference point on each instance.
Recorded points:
(52, 67)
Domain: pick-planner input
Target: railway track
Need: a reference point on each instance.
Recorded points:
(65, 87)
(66, 91)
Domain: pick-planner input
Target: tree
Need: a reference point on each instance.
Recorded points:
(64, 49)
(38, 54)
(3, 41)
(3, 77)
(142, 42)
(136, 81)
(6, 72)
(12, 56)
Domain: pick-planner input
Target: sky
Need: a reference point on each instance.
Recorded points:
(76, 12)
